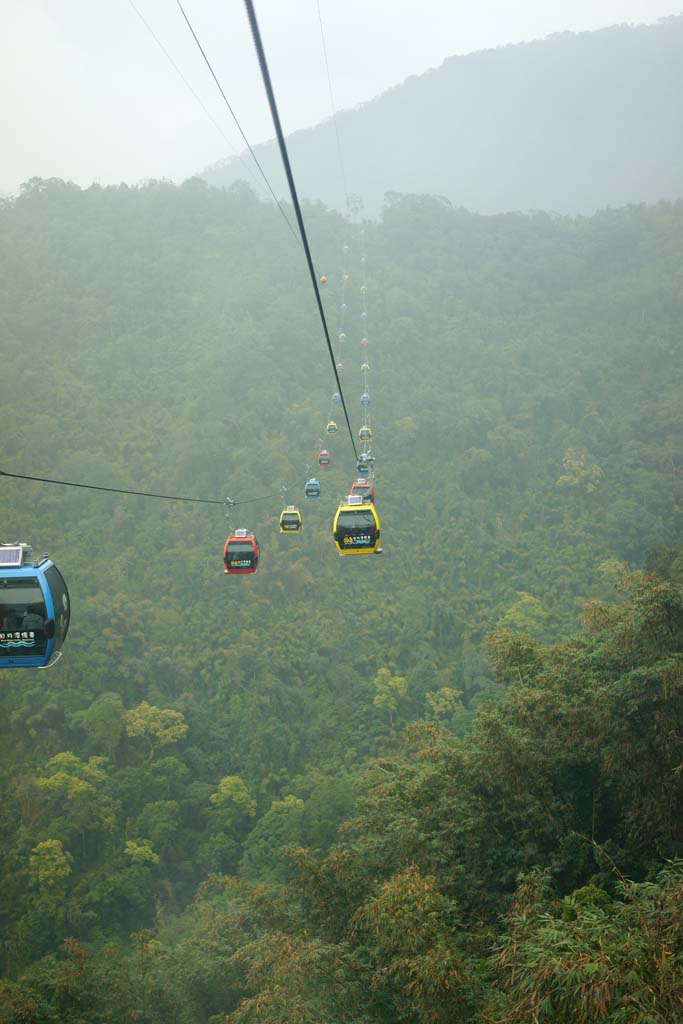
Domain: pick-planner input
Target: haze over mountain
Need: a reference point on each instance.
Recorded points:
(571, 123)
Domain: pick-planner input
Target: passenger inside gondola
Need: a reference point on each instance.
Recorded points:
(241, 553)
(32, 618)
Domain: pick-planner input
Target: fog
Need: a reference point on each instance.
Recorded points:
(89, 94)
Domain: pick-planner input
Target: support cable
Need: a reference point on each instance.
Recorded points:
(367, 417)
(265, 74)
(341, 336)
(234, 117)
(350, 211)
(214, 122)
(353, 206)
(139, 494)
(334, 112)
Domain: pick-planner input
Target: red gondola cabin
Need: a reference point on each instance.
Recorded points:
(365, 489)
(241, 553)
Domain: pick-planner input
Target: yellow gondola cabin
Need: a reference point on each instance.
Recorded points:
(356, 527)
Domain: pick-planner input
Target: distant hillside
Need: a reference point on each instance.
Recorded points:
(572, 123)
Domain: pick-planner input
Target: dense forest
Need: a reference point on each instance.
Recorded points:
(489, 130)
(442, 784)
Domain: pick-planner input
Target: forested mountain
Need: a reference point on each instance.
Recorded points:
(526, 374)
(572, 123)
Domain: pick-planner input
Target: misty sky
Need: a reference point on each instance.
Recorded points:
(88, 95)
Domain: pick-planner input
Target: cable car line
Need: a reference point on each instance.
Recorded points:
(335, 398)
(198, 98)
(356, 527)
(139, 494)
(342, 337)
(334, 112)
(353, 205)
(239, 126)
(366, 429)
(265, 74)
(359, 487)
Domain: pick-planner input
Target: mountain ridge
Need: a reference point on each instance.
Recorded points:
(570, 124)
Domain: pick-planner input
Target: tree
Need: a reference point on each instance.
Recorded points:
(50, 866)
(74, 797)
(411, 934)
(160, 726)
(615, 960)
(526, 615)
(279, 827)
(103, 722)
(49, 869)
(233, 799)
(444, 702)
(141, 852)
(389, 691)
(579, 471)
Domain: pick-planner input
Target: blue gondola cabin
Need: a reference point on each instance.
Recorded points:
(34, 609)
